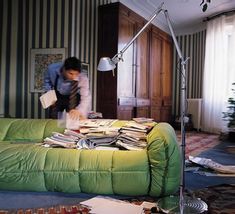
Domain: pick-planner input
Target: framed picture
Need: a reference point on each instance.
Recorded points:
(39, 61)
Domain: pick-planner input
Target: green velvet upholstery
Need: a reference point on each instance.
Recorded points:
(27, 166)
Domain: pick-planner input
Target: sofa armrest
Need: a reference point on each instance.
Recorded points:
(164, 158)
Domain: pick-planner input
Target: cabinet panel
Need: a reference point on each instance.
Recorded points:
(165, 114)
(155, 113)
(161, 76)
(126, 73)
(142, 111)
(107, 46)
(167, 74)
(142, 65)
(125, 112)
(155, 76)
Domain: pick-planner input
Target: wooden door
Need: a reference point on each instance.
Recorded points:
(166, 80)
(142, 74)
(155, 76)
(126, 70)
(160, 76)
(107, 46)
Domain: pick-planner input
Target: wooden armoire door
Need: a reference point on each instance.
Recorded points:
(160, 76)
(166, 79)
(126, 79)
(142, 74)
(155, 76)
(107, 47)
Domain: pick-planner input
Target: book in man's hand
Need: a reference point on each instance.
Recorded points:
(48, 99)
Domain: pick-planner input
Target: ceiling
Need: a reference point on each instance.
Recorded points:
(186, 15)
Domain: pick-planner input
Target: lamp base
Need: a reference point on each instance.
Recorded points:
(171, 204)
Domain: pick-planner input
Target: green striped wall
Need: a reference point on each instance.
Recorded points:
(192, 46)
(26, 24)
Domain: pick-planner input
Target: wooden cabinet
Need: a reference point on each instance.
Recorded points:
(160, 76)
(137, 89)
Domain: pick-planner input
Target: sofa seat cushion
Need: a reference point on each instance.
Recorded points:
(28, 167)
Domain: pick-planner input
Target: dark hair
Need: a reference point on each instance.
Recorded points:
(72, 63)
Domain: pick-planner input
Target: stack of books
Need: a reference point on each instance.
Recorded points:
(66, 140)
(133, 136)
(90, 136)
(94, 134)
(95, 115)
(143, 120)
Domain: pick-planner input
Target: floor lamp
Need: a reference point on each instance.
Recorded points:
(174, 204)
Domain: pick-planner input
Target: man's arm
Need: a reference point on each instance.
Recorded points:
(85, 97)
(81, 111)
(50, 76)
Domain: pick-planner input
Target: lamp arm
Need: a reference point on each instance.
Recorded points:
(118, 56)
(173, 34)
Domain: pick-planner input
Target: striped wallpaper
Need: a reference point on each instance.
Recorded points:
(192, 46)
(70, 24)
(26, 24)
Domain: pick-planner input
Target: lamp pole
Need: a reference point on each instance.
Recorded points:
(182, 107)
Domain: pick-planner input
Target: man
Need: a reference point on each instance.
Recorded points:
(65, 78)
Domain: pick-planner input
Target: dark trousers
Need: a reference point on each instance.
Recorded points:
(61, 104)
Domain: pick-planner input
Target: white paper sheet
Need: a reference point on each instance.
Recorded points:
(64, 121)
(107, 205)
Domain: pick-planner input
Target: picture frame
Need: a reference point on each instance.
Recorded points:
(39, 60)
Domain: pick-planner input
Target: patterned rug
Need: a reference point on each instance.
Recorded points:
(220, 199)
(197, 142)
(60, 209)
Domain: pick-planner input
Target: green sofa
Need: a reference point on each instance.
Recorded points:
(25, 165)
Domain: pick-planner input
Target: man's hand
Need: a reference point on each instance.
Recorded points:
(76, 115)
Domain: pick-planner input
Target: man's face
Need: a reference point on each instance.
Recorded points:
(71, 74)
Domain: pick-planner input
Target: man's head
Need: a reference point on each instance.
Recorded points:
(71, 68)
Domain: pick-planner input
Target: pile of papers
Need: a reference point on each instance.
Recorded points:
(143, 120)
(69, 139)
(133, 136)
(95, 115)
(216, 167)
(100, 134)
(92, 134)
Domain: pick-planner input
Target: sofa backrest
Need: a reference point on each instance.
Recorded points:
(27, 129)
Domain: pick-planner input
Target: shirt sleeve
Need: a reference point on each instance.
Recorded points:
(50, 76)
(85, 103)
